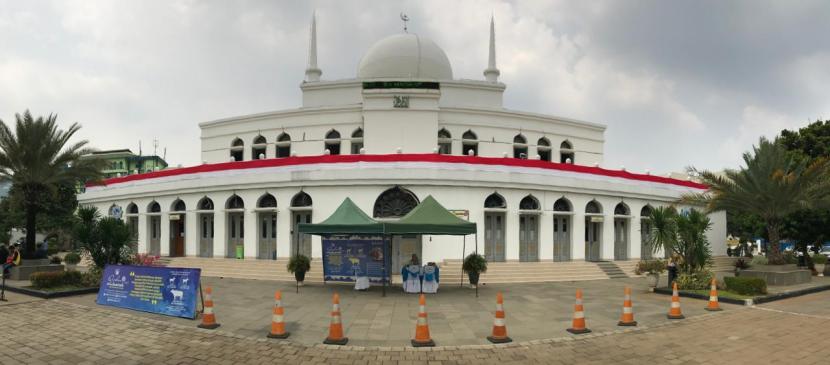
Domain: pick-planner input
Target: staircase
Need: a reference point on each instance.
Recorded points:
(521, 272)
(724, 263)
(613, 271)
(246, 269)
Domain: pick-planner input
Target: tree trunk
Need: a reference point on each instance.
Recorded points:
(774, 253)
(31, 230)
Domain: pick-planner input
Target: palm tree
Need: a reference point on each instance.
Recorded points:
(37, 157)
(683, 235)
(773, 184)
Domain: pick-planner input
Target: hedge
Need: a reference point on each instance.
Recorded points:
(55, 279)
(746, 285)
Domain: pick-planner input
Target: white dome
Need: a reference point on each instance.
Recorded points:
(405, 56)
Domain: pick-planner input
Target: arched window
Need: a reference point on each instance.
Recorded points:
(205, 204)
(357, 141)
(469, 142)
(235, 202)
(258, 148)
(178, 206)
(154, 207)
(237, 148)
(394, 203)
(520, 147)
(301, 200)
(495, 200)
(333, 142)
(543, 149)
(132, 208)
(646, 211)
(444, 142)
(283, 145)
(529, 203)
(593, 207)
(621, 209)
(267, 201)
(562, 205)
(566, 152)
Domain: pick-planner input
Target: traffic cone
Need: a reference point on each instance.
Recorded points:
(627, 318)
(336, 327)
(499, 329)
(578, 326)
(674, 311)
(277, 319)
(208, 318)
(422, 338)
(713, 297)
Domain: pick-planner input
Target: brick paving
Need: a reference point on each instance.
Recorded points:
(61, 332)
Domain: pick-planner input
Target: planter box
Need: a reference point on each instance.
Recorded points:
(779, 274)
(30, 267)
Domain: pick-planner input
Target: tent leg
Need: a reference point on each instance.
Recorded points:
(476, 238)
(463, 252)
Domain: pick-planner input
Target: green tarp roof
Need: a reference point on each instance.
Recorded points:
(347, 219)
(430, 217)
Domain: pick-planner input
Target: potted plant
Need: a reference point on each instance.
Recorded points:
(474, 265)
(820, 262)
(652, 269)
(740, 264)
(299, 265)
(71, 260)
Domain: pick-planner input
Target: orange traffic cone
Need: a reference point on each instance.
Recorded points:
(422, 338)
(578, 326)
(336, 327)
(713, 297)
(208, 318)
(674, 311)
(627, 318)
(277, 319)
(499, 329)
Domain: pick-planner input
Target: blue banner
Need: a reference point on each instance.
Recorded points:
(172, 291)
(345, 257)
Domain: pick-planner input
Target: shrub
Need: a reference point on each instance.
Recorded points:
(299, 263)
(55, 260)
(746, 285)
(474, 263)
(91, 278)
(698, 280)
(759, 260)
(790, 257)
(55, 279)
(819, 259)
(650, 267)
(72, 258)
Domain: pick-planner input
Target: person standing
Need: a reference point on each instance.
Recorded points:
(12, 260)
(672, 268)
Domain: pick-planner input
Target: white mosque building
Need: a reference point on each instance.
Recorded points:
(402, 129)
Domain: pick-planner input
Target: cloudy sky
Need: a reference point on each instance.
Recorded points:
(678, 83)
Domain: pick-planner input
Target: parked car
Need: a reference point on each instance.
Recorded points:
(825, 251)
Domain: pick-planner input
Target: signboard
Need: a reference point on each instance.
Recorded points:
(170, 291)
(345, 257)
(461, 213)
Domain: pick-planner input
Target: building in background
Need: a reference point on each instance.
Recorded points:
(125, 162)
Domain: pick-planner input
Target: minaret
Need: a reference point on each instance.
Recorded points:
(312, 72)
(492, 73)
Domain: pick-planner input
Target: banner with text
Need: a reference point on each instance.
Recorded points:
(171, 291)
(345, 257)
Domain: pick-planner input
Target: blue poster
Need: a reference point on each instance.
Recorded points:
(172, 291)
(345, 257)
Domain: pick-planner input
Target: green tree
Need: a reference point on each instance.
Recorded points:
(107, 240)
(683, 235)
(813, 140)
(38, 158)
(773, 185)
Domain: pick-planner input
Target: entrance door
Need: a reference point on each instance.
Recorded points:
(301, 241)
(177, 236)
(528, 237)
(267, 236)
(494, 237)
(561, 238)
(403, 247)
(206, 235)
(593, 236)
(620, 239)
(236, 232)
(155, 235)
(645, 239)
(132, 222)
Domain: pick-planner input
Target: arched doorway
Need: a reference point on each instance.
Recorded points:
(392, 204)
(494, 243)
(332, 143)
(235, 207)
(562, 211)
(469, 143)
(566, 152)
(267, 218)
(205, 211)
(520, 147)
(622, 216)
(154, 228)
(529, 212)
(301, 209)
(444, 142)
(543, 149)
(283, 145)
(177, 217)
(259, 147)
(646, 249)
(237, 150)
(357, 141)
(593, 231)
(132, 223)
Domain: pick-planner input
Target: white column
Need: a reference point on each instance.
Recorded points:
(578, 233)
(635, 243)
(607, 246)
(546, 235)
(191, 232)
(165, 232)
(220, 223)
(284, 218)
(251, 234)
(143, 243)
(511, 231)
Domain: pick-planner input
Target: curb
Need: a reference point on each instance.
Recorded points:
(50, 295)
(749, 302)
